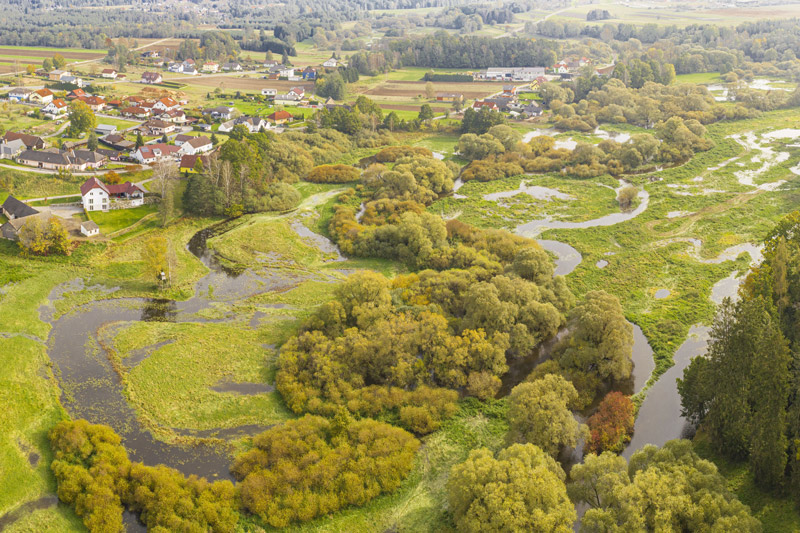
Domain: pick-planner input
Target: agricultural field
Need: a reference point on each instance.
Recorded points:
(681, 13)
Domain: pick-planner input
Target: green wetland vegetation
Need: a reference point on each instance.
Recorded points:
(360, 327)
(174, 375)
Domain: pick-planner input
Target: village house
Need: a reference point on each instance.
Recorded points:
(510, 90)
(73, 80)
(330, 63)
(32, 142)
(151, 77)
(51, 159)
(253, 124)
(232, 66)
(309, 74)
(152, 153)
(56, 107)
(13, 209)
(99, 196)
(181, 138)
(109, 73)
(90, 228)
(269, 92)
(210, 66)
(287, 99)
(532, 110)
(449, 97)
(42, 96)
(220, 113)
(503, 103)
(189, 162)
(166, 104)
(157, 127)
(286, 72)
(11, 149)
(56, 75)
(118, 142)
(135, 111)
(196, 145)
(280, 117)
(91, 159)
(95, 103)
(19, 94)
(76, 93)
(174, 115)
(110, 155)
(478, 104)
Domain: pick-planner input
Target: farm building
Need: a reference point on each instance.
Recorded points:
(10, 230)
(449, 97)
(32, 142)
(89, 228)
(105, 129)
(13, 209)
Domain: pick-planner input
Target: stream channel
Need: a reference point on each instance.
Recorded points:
(93, 389)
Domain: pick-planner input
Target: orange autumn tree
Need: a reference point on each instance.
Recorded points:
(611, 426)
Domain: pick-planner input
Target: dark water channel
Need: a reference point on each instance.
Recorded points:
(92, 389)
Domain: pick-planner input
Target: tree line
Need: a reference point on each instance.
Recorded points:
(744, 392)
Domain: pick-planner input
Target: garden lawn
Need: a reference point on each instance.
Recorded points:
(118, 219)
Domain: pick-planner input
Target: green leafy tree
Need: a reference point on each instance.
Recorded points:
(539, 413)
(40, 236)
(81, 118)
(662, 489)
(47, 64)
(602, 342)
(425, 112)
(139, 140)
(59, 62)
(92, 143)
(154, 256)
(313, 466)
(741, 392)
(522, 489)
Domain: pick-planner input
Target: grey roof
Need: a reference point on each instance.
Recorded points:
(18, 209)
(89, 225)
(40, 156)
(17, 223)
(90, 156)
(12, 147)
